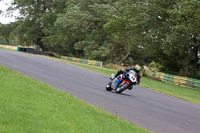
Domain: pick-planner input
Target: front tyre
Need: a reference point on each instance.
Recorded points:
(122, 88)
(108, 86)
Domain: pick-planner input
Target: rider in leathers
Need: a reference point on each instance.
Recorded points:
(136, 68)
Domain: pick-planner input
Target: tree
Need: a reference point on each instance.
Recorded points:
(183, 38)
(114, 31)
(79, 31)
(36, 17)
(5, 30)
(172, 27)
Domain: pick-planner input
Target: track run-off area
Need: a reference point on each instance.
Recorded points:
(151, 110)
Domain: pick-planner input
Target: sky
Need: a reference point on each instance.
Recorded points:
(5, 19)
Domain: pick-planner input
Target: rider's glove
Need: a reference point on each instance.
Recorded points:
(112, 76)
(124, 71)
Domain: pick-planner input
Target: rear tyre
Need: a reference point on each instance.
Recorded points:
(122, 88)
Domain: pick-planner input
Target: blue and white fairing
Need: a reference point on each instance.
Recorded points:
(117, 81)
(125, 81)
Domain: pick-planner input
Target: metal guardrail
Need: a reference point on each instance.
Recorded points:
(176, 80)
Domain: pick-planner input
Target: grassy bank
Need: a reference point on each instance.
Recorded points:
(185, 93)
(29, 106)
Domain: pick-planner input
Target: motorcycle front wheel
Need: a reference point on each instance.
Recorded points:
(122, 88)
(108, 87)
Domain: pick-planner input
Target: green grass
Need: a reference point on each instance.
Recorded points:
(29, 106)
(185, 93)
(101, 70)
(7, 49)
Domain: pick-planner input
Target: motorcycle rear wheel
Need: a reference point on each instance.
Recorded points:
(122, 88)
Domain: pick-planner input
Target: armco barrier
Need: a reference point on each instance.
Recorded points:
(84, 61)
(34, 51)
(176, 80)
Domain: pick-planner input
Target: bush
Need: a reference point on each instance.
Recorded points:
(146, 71)
(155, 66)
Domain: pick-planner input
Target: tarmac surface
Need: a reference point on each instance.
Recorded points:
(151, 110)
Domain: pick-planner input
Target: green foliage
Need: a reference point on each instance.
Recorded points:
(155, 66)
(2, 40)
(171, 28)
(5, 31)
(113, 31)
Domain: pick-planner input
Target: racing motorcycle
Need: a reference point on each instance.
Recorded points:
(122, 82)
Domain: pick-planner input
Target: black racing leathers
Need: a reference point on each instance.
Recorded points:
(127, 70)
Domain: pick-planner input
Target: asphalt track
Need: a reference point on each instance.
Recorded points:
(151, 110)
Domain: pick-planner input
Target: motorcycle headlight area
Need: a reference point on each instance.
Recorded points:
(132, 78)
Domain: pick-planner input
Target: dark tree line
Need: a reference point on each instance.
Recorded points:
(113, 31)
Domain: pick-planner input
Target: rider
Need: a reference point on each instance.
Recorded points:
(136, 68)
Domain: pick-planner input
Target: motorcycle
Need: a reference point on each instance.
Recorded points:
(122, 82)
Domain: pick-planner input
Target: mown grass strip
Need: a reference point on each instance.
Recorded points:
(29, 106)
(7, 49)
(185, 93)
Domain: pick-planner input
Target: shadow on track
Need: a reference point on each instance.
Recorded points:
(121, 94)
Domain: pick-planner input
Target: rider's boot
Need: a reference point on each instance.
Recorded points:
(130, 88)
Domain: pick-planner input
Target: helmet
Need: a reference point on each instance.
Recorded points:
(137, 68)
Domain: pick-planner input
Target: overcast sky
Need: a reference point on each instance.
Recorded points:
(5, 19)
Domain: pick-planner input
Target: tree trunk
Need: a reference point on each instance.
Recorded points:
(124, 58)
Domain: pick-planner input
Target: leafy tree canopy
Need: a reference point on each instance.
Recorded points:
(114, 31)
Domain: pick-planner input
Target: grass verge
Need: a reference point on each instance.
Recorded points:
(7, 49)
(27, 105)
(185, 93)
